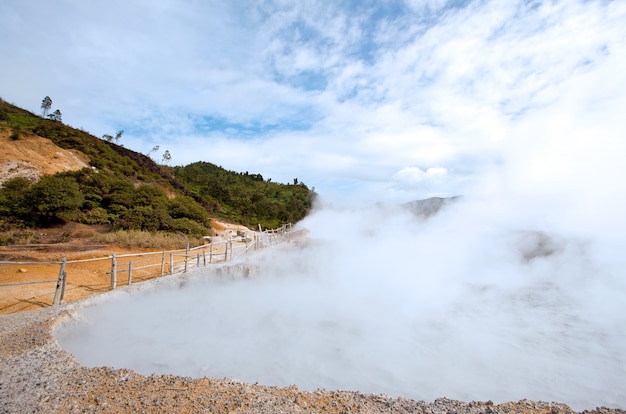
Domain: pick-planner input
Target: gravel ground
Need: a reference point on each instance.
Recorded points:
(36, 375)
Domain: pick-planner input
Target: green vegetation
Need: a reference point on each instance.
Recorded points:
(103, 155)
(130, 192)
(246, 198)
(18, 236)
(51, 198)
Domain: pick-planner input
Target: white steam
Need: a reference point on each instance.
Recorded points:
(462, 305)
(516, 290)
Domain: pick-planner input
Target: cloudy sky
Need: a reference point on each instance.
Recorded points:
(367, 101)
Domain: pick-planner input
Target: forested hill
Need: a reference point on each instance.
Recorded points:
(128, 190)
(243, 197)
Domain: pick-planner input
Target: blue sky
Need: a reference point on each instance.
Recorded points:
(366, 101)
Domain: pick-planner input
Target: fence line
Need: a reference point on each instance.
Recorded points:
(27, 283)
(28, 263)
(217, 251)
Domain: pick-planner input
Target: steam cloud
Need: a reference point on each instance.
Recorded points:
(382, 300)
(515, 290)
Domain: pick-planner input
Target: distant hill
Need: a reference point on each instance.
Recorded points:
(430, 206)
(52, 173)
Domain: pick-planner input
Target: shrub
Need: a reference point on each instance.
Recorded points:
(13, 203)
(147, 240)
(54, 195)
(96, 215)
(189, 227)
(11, 237)
(144, 218)
(186, 207)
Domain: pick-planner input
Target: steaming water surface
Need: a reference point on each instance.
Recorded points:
(466, 309)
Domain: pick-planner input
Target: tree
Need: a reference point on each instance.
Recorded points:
(149, 195)
(147, 218)
(12, 197)
(154, 149)
(56, 116)
(167, 157)
(186, 207)
(53, 195)
(46, 104)
(117, 137)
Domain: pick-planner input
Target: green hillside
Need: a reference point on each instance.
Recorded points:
(245, 198)
(128, 190)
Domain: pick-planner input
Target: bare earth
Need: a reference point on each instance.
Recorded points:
(83, 280)
(32, 157)
(36, 375)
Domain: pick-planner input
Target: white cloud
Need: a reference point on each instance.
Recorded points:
(411, 176)
(344, 97)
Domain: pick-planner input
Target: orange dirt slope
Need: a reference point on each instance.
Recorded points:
(32, 157)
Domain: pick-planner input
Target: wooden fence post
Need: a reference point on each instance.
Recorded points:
(186, 256)
(171, 263)
(130, 272)
(63, 287)
(113, 272)
(211, 253)
(163, 263)
(60, 283)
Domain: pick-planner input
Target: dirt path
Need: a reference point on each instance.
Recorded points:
(84, 279)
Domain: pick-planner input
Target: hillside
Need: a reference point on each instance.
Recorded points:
(246, 198)
(35, 157)
(53, 174)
